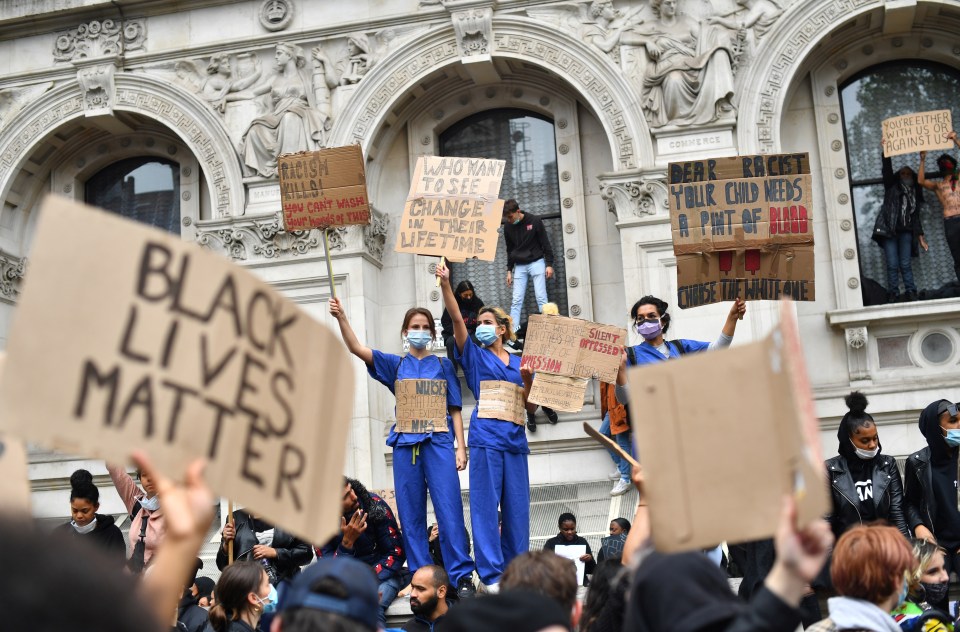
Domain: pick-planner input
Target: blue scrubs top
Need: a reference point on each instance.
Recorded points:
(647, 353)
(480, 365)
(387, 368)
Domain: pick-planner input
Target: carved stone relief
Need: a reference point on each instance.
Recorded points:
(632, 197)
(473, 28)
(11, 274)
(99, 39)
(96, 82)
(375, 234)
(13, 100)
(275, 15)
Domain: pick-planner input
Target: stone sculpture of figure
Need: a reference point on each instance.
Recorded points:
(325, 80)
(358, 61)
(689, 77)
(220, 83)
(605, 24)
(294, 125)
(760, 15)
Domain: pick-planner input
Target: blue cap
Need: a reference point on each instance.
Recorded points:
(359, 580)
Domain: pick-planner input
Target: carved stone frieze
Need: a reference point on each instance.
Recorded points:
(375, 234)
(276, 15)
(100, 38)
(13, 100)
(630, 196)
(96, 82)
(856, 337)
(11, 275)
(474, 30)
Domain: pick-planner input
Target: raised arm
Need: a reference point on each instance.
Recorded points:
(450, 302)
(346, 332)
(737, 311)
(921, 176)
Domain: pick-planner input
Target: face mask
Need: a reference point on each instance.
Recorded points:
(866, 455)
(649, 329)
(903, 594)
(84, 529)
(269, 602)
(419, 339)
(487, 335)
(150, 504)
(516, 221)
(906, 181)
(934, 593)
(953, 437)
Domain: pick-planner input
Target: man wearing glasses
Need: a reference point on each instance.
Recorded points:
(529, 256)
(931, 494)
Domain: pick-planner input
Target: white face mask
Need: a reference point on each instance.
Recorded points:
(150, 504)
(866, 455)
(87, 528)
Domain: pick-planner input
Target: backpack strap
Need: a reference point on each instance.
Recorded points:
(135, 510)
(678, 345)
(631, 356)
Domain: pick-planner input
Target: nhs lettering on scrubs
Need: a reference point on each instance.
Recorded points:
(388, 368)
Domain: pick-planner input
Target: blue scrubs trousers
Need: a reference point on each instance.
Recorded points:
(435, 468)
(498, 479)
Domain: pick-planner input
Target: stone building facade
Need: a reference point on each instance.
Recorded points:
(587, 101)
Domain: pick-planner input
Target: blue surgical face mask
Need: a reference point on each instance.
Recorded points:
(516, 221)
(903, 594)
(953, 437)
(419, 339)
(150, 504)
(269, 602)
(487, 335)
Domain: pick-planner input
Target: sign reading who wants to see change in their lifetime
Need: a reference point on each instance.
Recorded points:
(742, 227)
(452, 208)
(145, 341)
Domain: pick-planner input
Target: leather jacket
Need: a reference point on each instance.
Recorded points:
(919, 505)
(887, 494)
(292, 553)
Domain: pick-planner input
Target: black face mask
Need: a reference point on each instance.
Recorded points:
(934, 593)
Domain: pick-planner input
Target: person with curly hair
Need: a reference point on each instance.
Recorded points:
(88, 525)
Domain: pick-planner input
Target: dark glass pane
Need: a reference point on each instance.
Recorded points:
(880, 93)
(143, 189)
(527, 143)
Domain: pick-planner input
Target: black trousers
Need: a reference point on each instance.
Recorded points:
(951, 230)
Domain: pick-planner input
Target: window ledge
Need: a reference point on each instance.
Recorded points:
(917, 311)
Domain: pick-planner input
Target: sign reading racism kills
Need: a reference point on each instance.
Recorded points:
(452, 208)
(323, 188)
(913, 133)
(742, 226)
(142, 340)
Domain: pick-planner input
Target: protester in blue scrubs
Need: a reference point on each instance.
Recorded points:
(498, 449)
(423, 461)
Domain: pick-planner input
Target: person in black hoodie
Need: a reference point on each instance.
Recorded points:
(568, 537)
(469, 304)
(931, 494)
(865, 485)
(98, 529)
(281, 553)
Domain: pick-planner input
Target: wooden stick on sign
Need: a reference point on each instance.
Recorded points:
(230, 542)
(443, 262)
(607, 443)
(326, 251)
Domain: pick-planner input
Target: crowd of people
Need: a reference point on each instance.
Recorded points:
(896, 539)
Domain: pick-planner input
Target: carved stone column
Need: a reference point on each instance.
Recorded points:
(857, 361)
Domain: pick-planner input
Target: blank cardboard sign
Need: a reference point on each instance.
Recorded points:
(723, 436)
(141, 340)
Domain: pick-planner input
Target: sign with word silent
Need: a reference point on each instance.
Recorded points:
(452, 208)
(573, 347)
(501, 400)
(912, 133)
(421, 405)
(323, 188)
(559, 392)
(742, 227)
(142, 340)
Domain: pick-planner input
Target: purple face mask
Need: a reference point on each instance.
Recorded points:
(649, 329)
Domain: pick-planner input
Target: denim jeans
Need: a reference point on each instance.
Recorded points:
(624, 440)
(388, 592)
(521, 273)
(897, 249)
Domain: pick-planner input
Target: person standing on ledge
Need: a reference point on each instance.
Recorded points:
(529, 256)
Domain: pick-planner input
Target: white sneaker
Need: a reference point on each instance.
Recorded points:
(490, 589)
(621, 488)
(614, 475)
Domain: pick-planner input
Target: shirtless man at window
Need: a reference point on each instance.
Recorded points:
(947, 189)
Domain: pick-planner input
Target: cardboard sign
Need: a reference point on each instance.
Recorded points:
(452, 209)
(559, 392)
(742, 227)
(753, 275)
(725, 480)
(741, 213)
(501, 400)
(323, 188)
(573, 347)
(142, 340)
(421, 405)
(15, 485)
(912, 133)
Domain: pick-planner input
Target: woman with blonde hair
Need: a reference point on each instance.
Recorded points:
(928, 585)
(498, 447)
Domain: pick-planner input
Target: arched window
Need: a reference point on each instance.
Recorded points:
(145, 189)
(867, 99)
(527, 143)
